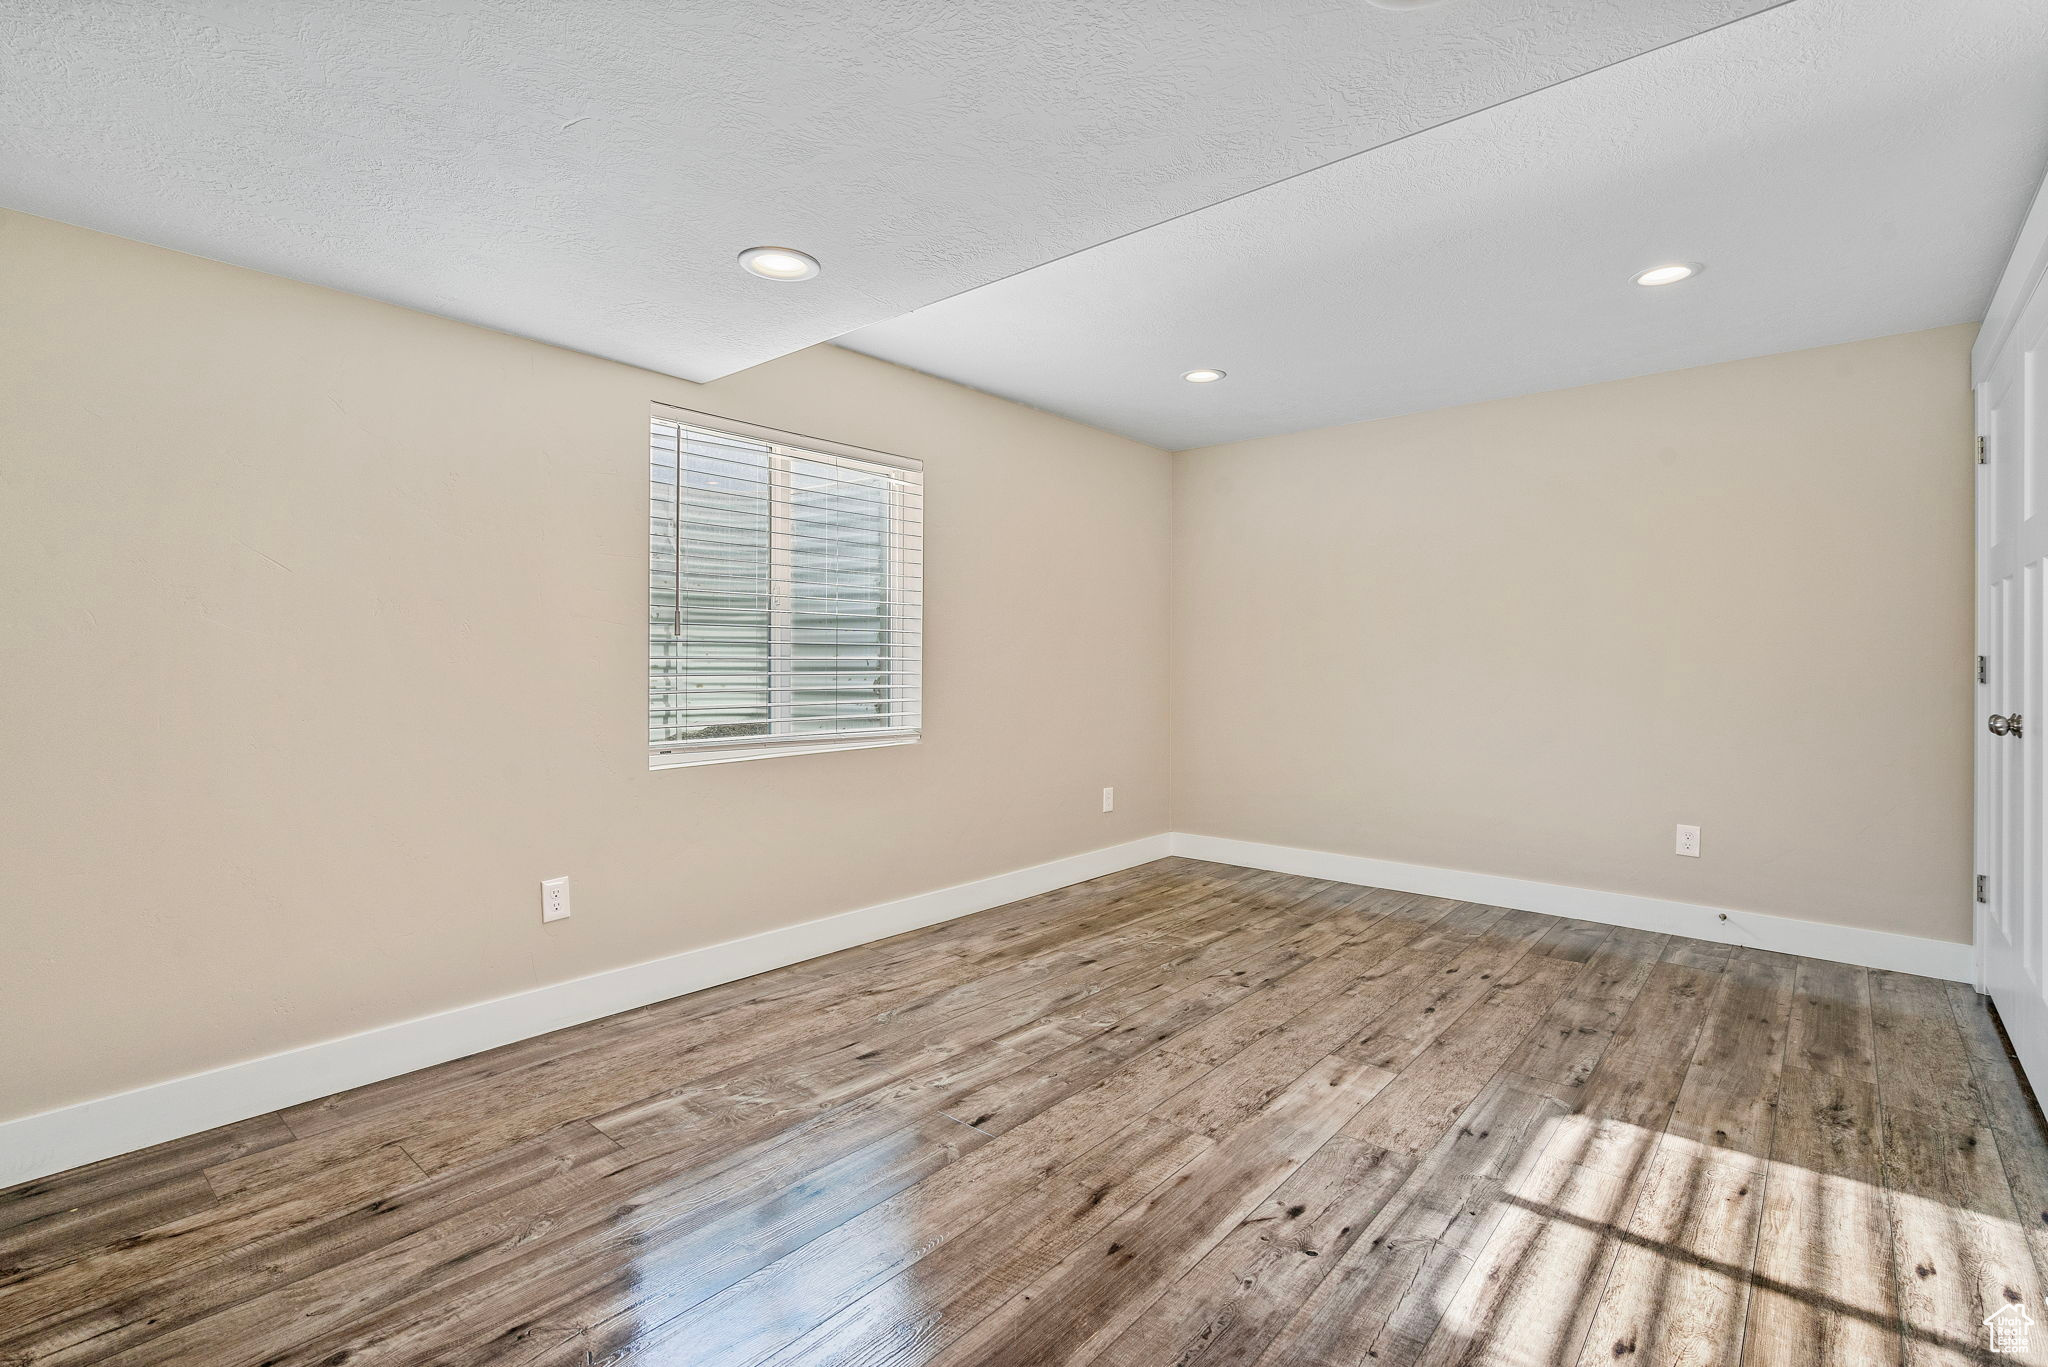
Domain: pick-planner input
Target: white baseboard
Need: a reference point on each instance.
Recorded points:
(53, 1141)
(1785, 934)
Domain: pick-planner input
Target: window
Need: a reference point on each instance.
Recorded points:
(784, 594)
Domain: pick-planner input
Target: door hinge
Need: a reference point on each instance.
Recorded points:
(1982, 459)
(1983, 669)
(1983, 888)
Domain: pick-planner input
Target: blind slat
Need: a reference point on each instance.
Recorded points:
(769, 744)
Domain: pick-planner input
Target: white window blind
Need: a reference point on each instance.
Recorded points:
(784, 595)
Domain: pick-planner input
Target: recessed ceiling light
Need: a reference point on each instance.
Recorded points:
(779, 263)
(1203, 376)
(1669, 275)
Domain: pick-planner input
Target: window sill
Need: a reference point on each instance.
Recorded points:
(734, 754)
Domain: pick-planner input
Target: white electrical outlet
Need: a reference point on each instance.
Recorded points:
(1689, 841)
(554, 899)
(1109, 799)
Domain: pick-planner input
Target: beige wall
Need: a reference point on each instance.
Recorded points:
(1529, 637)
(321, 644)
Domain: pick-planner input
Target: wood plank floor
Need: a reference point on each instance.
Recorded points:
(1185, 1114)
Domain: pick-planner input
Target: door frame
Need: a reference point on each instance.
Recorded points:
(1980, 757)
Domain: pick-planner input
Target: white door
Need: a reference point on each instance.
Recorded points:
(2011, 721)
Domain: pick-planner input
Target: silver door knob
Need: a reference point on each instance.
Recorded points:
(2004, 726)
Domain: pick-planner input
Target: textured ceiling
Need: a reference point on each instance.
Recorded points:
(584, 171)
(1846, 169)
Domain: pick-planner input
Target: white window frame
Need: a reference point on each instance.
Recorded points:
(906, 568)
